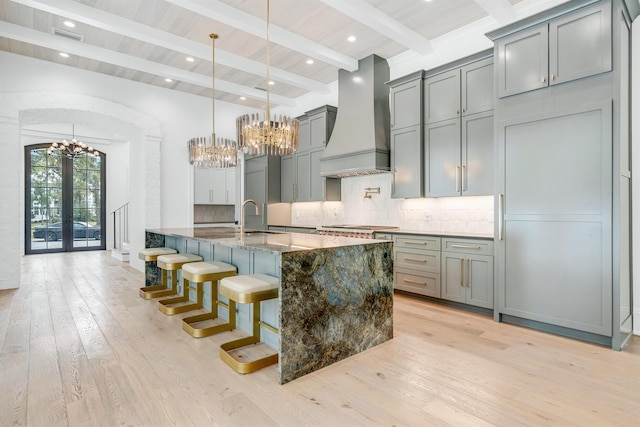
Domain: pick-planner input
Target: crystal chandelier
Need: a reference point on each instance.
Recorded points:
(212, 152)
(72, 149)
(267, 135)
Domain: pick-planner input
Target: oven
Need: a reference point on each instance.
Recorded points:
(353, 230)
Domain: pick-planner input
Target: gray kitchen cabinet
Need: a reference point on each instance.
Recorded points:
(214, 186)
(461, 91)
(563, 49)
(321, 122)
(562, 202)
(407, 162)
(458, 156)
(405, 102)
(467, 272)
(288, 178)
(262, 184)
(301, 180)
(416, 266)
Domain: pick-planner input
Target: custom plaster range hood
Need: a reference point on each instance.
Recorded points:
(359, 143)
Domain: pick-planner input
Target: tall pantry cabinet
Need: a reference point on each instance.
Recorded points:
(563, 171)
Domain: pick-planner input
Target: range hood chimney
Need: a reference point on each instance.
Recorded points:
(359, 143)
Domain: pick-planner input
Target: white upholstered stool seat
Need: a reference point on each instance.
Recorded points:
(245, 289)
(151, 255)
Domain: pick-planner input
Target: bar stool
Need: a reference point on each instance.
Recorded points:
(151, 255)
(198, 273)
(245, 289)
(172, 263)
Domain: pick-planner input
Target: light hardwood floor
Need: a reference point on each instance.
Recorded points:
(80, 348)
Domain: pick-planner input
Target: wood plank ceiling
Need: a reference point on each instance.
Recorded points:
(149, 40)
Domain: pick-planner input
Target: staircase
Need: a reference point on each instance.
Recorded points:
(120, 248)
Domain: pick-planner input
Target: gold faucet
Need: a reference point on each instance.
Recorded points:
(243, 205)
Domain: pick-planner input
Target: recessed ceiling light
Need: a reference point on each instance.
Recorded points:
(168, 80)
(351, 38)
(69, 24)
(64, 55)
(309, 61)
(271, 82)
(190, 59)
(242, 98)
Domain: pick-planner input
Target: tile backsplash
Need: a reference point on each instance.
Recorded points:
(459, 214)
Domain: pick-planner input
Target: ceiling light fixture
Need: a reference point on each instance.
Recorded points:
(275, 136)
(168, 80)
(190, 59)
(69, 24)
(64, 55)
(309, 61)
(212, 152)
(72, 149)
(351, 38)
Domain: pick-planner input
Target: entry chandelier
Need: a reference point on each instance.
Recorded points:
(276, 136)
(212, 152)
(72, 149)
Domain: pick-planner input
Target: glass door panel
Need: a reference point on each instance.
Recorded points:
(64, 201)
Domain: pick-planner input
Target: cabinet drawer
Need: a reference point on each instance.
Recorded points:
(468, 246)
(383, 236)
(417, 260)
(417, 242)
(428, 285)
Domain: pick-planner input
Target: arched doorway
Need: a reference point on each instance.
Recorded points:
(65, 206)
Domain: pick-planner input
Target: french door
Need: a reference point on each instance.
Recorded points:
(64, 202)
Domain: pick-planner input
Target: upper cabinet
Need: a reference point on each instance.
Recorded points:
(564, 49)
(214, 186)
(405, 107)
(300, 179)
(458, 92)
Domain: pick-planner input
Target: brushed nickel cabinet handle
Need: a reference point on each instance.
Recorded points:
(461, 272)
(553, 77)
(543, 79)
(457, 182)
(415, 282)
(468, 273)
(500, 216)
(415, 259)
(464, 167)
(415, 242)
(465, 246)
(263, 212)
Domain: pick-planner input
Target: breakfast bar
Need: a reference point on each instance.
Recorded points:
(335, 296)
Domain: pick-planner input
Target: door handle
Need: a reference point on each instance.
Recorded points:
(464, 188)
(500, 216)
(457, 182)
(461, 272)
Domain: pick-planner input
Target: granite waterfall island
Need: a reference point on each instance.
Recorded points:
(335, 297)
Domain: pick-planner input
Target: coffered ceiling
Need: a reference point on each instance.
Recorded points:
(149, 41)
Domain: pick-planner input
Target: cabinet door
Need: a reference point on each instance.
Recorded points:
(580, 44)
(303, 177)
(287, 178)
(479, 280)
(477, 87)
(453, 286)
(219, 186)
(442, 158)
(477, 155)
(318, 130)
(406, 162)
(256, 189)
(202, 186)
(230, 184)
(555, 257)
(304, 135)
(522, 61)
(405, 104)
(442, 96)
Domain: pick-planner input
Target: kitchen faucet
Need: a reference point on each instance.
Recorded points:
(242, 212)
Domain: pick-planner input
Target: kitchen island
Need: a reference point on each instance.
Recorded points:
(335, 296)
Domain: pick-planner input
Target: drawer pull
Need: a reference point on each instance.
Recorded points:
(468, 273)
(415, 259)
(415, 242)
(415, 282)
(461, 271)
(466, 246)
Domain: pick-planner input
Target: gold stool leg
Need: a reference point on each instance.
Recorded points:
(196, 332)
(252, 366)
(165, 304)
(150, 292)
